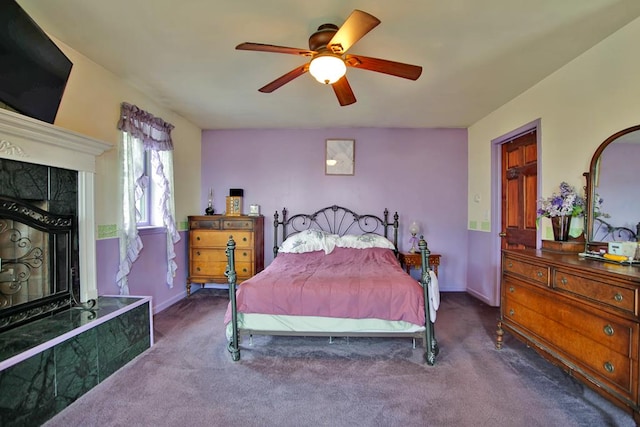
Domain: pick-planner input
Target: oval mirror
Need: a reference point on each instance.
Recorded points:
(613, 195)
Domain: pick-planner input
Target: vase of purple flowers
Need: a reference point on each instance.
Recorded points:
(560, 208)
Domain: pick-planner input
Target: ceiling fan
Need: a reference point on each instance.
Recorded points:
(329, 59)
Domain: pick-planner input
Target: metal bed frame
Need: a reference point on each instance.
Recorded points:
(341, 221)
(605, 231)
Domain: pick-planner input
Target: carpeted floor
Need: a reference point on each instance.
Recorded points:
(188, 379)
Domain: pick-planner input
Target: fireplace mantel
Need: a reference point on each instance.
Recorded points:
(28, 140)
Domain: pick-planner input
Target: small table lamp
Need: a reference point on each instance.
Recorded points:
(414, 228)
(209, 209)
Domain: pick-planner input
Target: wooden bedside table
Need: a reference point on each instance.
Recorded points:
(414, 260)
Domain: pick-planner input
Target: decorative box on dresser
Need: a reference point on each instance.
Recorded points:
(581, 314)
(208, 236)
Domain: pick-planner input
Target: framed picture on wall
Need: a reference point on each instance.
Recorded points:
(339, 157)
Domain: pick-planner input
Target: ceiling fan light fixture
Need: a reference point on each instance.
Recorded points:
(327, 68)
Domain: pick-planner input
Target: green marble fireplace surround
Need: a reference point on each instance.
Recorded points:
(47, 364)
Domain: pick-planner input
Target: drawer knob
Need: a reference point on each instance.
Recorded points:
(512, 312)
(244, 239)
(198, 253)
(244, 254)
(512, 289)
(608, 330)
(564, 281)
(244, 270)
(539, 273)
(608, 366)
(618, 297)
(198, 238)
(198, 268)
(509, 264)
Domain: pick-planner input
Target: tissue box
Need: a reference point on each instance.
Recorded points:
(627, 249)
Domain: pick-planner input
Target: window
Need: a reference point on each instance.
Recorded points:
(143, 204)
(146, 171)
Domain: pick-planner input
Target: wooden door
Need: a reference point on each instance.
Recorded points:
(519, 191)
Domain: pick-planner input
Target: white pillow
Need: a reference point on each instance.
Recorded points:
(309, 241)
(364, 241)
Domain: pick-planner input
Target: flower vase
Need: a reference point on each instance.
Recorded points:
(560, 226)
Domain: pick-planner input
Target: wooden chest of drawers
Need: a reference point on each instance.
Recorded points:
(580, 314)
(208, 236)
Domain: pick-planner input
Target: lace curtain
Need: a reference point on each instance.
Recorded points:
(142, 131)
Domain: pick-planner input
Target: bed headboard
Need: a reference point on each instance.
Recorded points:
(335, 220)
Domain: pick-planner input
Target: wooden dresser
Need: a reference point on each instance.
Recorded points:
(580, 314)
(208, 236)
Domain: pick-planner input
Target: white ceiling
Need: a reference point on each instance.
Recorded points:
(476, 55)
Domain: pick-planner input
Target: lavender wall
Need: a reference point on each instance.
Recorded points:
(483, 270)
(148, 273)
(420, 173)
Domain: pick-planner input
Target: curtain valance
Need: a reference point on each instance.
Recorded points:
(154, 132)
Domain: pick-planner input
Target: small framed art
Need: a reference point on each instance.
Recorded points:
(339, 157)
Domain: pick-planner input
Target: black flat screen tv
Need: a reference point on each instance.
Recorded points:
(33, 70)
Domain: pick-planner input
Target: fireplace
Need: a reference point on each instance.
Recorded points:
(47, 240)
(38, 241)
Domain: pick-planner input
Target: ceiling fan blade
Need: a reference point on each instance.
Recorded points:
(398, 69)
(260, 47)
(343, 92)
(354, 28)
(282, 80)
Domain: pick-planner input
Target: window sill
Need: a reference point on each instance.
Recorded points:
(151, 229)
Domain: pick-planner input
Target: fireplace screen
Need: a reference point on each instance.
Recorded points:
(35, 261)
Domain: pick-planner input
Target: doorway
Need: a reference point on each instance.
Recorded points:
(497, 197)
(519, 189)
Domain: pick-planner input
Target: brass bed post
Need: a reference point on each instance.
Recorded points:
(431, 343)
(233, 347)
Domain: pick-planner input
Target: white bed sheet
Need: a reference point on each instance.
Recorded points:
(314, 324)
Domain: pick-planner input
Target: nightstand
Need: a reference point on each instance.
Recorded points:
(414, 260)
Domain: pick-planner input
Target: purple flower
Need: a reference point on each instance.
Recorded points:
(567, 203)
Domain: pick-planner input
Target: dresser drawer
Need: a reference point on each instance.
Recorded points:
(204, 239)
(237, 224)
(607, 293)
(204, 224)
(610, 367)
(537, 273)
(615, 333)
(604, 345)
(220, 255)
(244, 270)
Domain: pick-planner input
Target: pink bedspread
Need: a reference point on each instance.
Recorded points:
(347, 283)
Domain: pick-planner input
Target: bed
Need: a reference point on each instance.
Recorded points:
(335, 273)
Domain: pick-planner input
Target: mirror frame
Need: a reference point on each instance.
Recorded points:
(590, 188)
